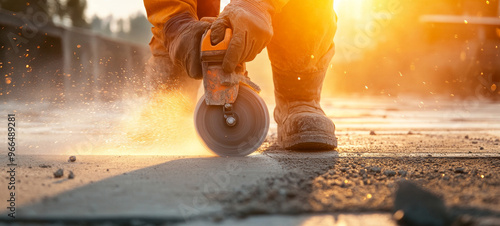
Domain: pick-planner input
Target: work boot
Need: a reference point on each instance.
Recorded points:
(302, 124)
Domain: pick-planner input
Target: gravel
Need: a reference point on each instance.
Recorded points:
(376, 169)
(71, 175)
(390, 173)
(59, 173)
(308, 189)
(72, 158)
(460, 170)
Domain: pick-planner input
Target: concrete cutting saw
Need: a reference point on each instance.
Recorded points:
(231, 118)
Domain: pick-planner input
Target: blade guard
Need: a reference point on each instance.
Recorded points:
(221, 87)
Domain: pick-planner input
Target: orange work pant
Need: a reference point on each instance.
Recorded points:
(302, 43)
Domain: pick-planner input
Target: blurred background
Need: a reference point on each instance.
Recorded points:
(86, 50)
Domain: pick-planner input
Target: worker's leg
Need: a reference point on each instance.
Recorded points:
(162, 72)
(300, 53)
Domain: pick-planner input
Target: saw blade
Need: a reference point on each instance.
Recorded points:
(245, 136)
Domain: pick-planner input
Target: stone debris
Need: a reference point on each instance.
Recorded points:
(460, 170)
(59, 173)
(71, 175)
(415, 206)
(390, 173)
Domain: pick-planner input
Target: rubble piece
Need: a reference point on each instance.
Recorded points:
(59, 173)
(390, 173)
(460, 170)
(71, 175)
(415, 206)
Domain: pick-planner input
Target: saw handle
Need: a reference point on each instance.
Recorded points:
(206, 44)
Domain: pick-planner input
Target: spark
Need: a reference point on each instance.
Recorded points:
(298, 78)
(78, 46)
(312, 56)
(366, 87)
(466, 22)
(482, 176)
(27, 66)
(369, 196)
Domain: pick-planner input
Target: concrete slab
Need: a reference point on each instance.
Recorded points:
(118, 175)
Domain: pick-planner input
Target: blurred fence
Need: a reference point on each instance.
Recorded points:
(43, 62)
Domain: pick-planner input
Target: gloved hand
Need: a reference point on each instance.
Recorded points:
(183, 42)
(250, 21)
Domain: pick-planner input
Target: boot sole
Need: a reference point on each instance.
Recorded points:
(310, 142)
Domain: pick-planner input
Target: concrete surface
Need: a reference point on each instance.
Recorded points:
(117, 181)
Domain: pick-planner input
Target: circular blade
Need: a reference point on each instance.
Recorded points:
(245, 136)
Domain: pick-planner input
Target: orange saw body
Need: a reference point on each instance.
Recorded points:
(231, 118)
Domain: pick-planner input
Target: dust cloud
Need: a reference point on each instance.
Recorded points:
(160, 125)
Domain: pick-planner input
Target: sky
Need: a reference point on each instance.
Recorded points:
(116, 8)
(123, 8)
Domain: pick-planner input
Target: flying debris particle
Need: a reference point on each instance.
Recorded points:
(366, 87)
(8, 80)
(78, 46)
(72, 158)
(372, 133)
(493, 87)
(400, 74)
(27, 66)
(466, 22)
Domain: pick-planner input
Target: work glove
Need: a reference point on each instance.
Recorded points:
(250, 21)
(182, 39)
